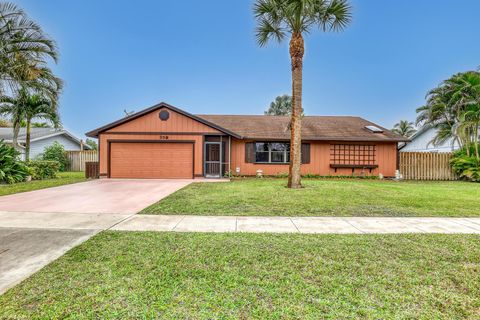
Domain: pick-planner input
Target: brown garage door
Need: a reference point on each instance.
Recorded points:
(151, 160)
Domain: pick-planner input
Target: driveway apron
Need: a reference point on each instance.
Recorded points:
(39, 226)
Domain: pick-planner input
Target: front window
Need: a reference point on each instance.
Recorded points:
(272, 152)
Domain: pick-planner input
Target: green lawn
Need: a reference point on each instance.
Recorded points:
(134, 275)
(268, 197)
(63, 178)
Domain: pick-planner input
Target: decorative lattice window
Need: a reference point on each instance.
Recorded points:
(352, 154)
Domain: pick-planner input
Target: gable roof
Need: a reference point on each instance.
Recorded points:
(94, 133)
(333, 128)
(37, 134)
(421, 131)
(423, 141)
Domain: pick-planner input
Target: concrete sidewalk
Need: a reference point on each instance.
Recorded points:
(25, 251)
(60, 220)
(186, 223)
(333, 225)
(31, 240)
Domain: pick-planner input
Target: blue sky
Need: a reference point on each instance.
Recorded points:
(201, 56)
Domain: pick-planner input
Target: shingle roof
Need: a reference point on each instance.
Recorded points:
(7, 133)
(35, 133)
(338, 128)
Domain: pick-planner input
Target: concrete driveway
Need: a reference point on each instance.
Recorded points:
(39, 226)
(120, 196)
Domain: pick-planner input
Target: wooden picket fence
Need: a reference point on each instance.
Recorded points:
(426, 166)
(413, 165)
(92, 170)
(77, 159)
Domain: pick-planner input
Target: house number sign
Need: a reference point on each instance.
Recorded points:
(163, 137)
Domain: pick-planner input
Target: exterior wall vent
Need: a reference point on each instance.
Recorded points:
(374, 129)
(164, 115)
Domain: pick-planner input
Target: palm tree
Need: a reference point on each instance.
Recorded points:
(439, 114)
(281, 106)
(278, 19)
(41, 125)
(404, 128)
(467, 97)
(26, 107)
(470, 126)
(452, 109)
(16, 114)
(24, 50)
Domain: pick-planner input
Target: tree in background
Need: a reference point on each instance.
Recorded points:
(92, 144)
(36, 107)
(56, 152)
(453, 109)
(26, 108)
(24, 50)
(24, 54)
(35, 124)
(16, 114)
(41, 125)
(4, 123)
(281, 106)
(467, 99)
(404, 128)
(278, 19)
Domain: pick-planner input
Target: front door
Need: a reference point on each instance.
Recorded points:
(213, 162)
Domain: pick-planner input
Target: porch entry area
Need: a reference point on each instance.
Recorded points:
(216, 156)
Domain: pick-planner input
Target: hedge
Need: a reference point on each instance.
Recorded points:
(43, 169)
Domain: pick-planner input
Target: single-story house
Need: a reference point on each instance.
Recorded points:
(421, 141)
(166, 142)
(41, 138)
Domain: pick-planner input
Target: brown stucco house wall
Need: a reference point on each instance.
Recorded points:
(166, 142)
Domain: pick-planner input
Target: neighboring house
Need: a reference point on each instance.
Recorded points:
(421, 141)
(43, 137)
(166, 142)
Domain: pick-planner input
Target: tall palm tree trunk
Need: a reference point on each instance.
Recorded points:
(475, 141)
(297, 50)
(16, 132)
(27, 140)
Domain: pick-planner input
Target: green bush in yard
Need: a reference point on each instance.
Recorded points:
(56, 152)
(466, 165)
(11, 168)
(43, 169)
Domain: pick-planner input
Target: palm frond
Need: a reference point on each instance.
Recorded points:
(268, 30)
(453, 108)
(24, 48)
(276, 18)
(336, 15)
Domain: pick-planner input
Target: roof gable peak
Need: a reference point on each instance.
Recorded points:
(161, 105)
